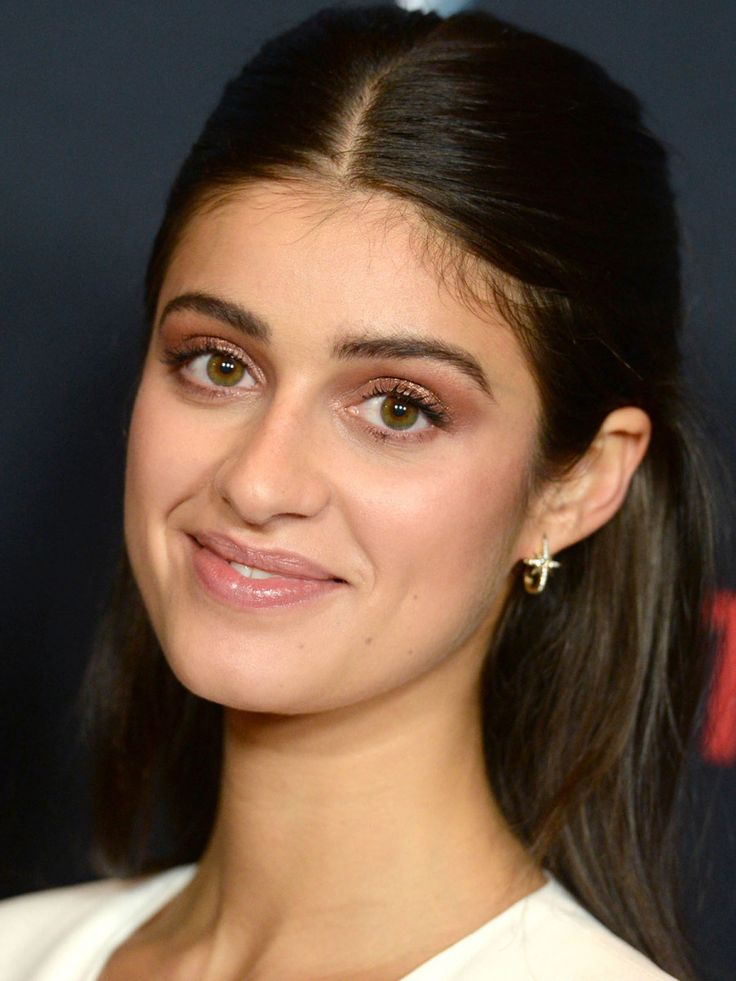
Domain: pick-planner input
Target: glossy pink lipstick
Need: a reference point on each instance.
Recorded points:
(282, 578)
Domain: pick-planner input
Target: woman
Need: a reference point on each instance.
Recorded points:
(409, 643)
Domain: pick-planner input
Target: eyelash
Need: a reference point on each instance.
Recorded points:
(403, 391)
(178, 357)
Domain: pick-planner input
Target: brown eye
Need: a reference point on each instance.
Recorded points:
(224, 369)
(398, 414)
(211, 368)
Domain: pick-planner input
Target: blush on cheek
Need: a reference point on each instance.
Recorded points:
(155, 478)
(446, 545)
(170, 449)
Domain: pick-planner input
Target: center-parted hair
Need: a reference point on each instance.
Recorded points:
(543, 192)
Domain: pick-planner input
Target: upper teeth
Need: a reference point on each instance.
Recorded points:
(251, 571)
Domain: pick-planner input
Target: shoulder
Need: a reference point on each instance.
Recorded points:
(574, 945)
(43, 934)
(547, 936)
(33, 924)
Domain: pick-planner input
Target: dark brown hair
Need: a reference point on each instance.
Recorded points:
(524, 158)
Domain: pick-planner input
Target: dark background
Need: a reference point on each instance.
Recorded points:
(99, 103)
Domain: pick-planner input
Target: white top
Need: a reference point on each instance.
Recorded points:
(68, 934)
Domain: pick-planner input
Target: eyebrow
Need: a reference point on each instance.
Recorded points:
(404, 346)
(229, 313)
(400, 345)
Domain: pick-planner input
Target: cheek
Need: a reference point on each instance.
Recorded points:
(450, 530)
(169, 458)
(169, 454)
(440, 544)
(169, 461)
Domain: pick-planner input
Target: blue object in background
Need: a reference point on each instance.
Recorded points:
(442, 7)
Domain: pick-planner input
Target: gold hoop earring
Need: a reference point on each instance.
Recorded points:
(537, 569)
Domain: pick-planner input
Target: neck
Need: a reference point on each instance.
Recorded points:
(373, 825)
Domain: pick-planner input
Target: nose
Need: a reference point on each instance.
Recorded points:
(276, 466)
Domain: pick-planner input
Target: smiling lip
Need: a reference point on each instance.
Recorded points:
(294, 578)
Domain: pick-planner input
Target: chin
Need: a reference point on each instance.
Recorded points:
(250, 676)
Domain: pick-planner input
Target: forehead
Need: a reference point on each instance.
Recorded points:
(315, 263)
(307, 236)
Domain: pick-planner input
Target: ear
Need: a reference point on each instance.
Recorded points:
(568, 510)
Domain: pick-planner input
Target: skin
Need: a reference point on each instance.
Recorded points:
(352, 718)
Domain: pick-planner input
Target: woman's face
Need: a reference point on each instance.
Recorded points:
(317, 408)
